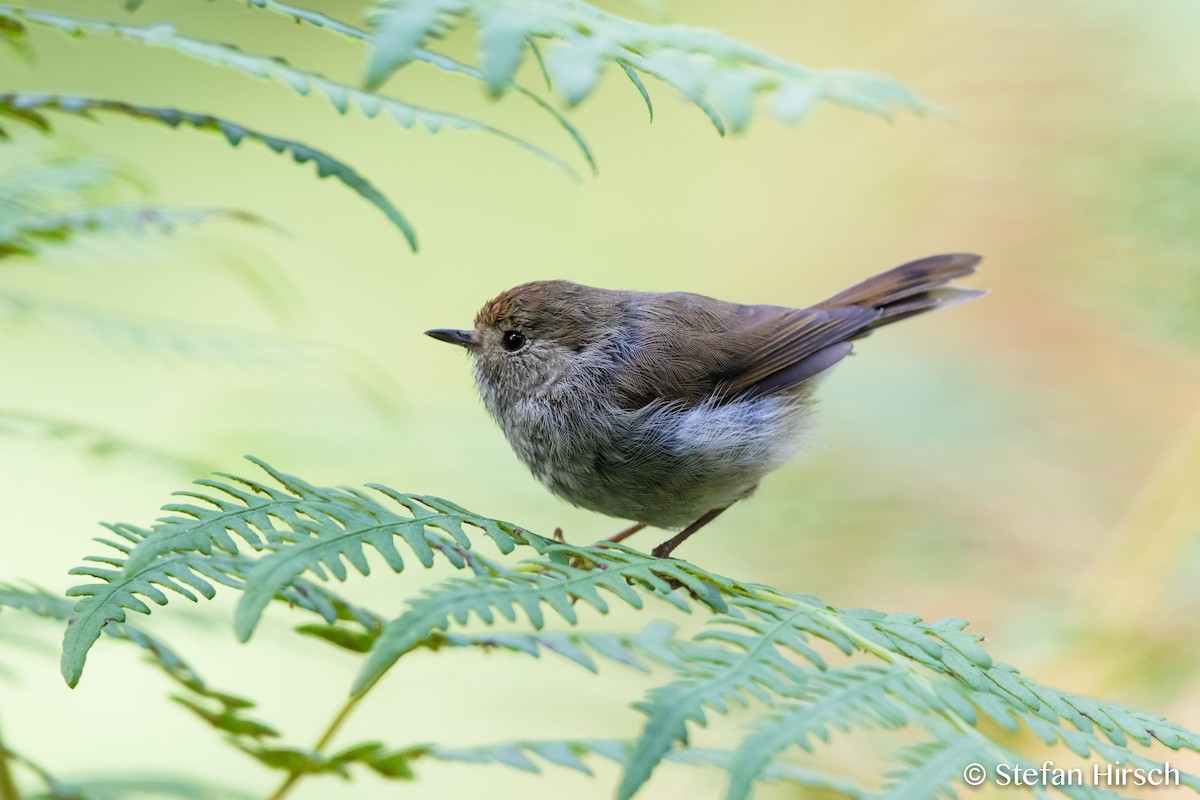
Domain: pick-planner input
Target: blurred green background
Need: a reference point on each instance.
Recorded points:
(1030, 461)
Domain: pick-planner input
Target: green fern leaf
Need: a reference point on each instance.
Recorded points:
(326, 544)
(720, 675)
(621, 572)
(13, 34)
(835, 699)
(123, 584)
(165, 338)
(928, 771)
(321, 526)
(20, 235)
(503, 39)
(303, 527)
(400, 31)
(719, 74)
(229, 718)
(1005, 694)
(36, 180)
(758, 646)
(230, 713)
(572, 754)
(43, 604)
(106, 602)
(25, 105)
(438, 60)
(636, 80)
(653, 644)
(387, 763)
(340, 95)
(577, 67)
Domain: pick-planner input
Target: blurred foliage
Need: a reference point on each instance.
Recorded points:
(48, 198)
(722, 76)
(717, 73)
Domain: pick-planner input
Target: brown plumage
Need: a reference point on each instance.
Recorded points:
(667, 407)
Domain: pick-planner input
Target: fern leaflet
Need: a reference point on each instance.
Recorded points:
(30, 107)
(719, 74)
(621, 572)
(340, 95)
(438, 60)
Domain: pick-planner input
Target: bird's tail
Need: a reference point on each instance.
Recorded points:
(910, 289)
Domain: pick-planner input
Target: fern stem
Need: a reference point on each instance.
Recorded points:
(8, 786)
(330, 731)
(342, 715)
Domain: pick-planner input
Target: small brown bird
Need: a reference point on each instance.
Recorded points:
(666, 408)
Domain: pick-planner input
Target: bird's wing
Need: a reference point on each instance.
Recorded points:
(695, 349)
(692, 349)
(789, 346)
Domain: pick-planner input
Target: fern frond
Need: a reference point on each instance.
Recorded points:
(863, 695)
(222, 710)
(929, 770)
(43, 604)
(202, 343)
(341, 96)
(719, 74)
(229, 716)
(966, 683)
(132, 218)
(123, 584)
(724, 667)
(375, 756)
(622, 573)
(34, 600)
(21, 235)
(295, 513)
(573, 754)
(760, 644)
(329, 532)
(438, 60)
(30, 107)
(320, 527)
(304, 528)
(185, 574)
(651, 645)
(1000, 691)
(12, 34)
(121, 588)
(34, 179)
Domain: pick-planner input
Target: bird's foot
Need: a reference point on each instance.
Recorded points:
(623, 535)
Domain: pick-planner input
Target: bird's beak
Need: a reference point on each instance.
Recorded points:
(461, 338)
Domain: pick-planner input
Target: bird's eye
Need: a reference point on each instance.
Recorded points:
(512, 341)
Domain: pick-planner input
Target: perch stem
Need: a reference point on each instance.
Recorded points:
(330, 731)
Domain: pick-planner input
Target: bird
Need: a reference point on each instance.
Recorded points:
(665, 408)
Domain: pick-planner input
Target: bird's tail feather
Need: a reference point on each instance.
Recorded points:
(910, 289)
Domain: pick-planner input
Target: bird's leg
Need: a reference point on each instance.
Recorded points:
(625, 534)
(664, 549)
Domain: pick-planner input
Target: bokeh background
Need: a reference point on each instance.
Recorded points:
(1030, 461)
